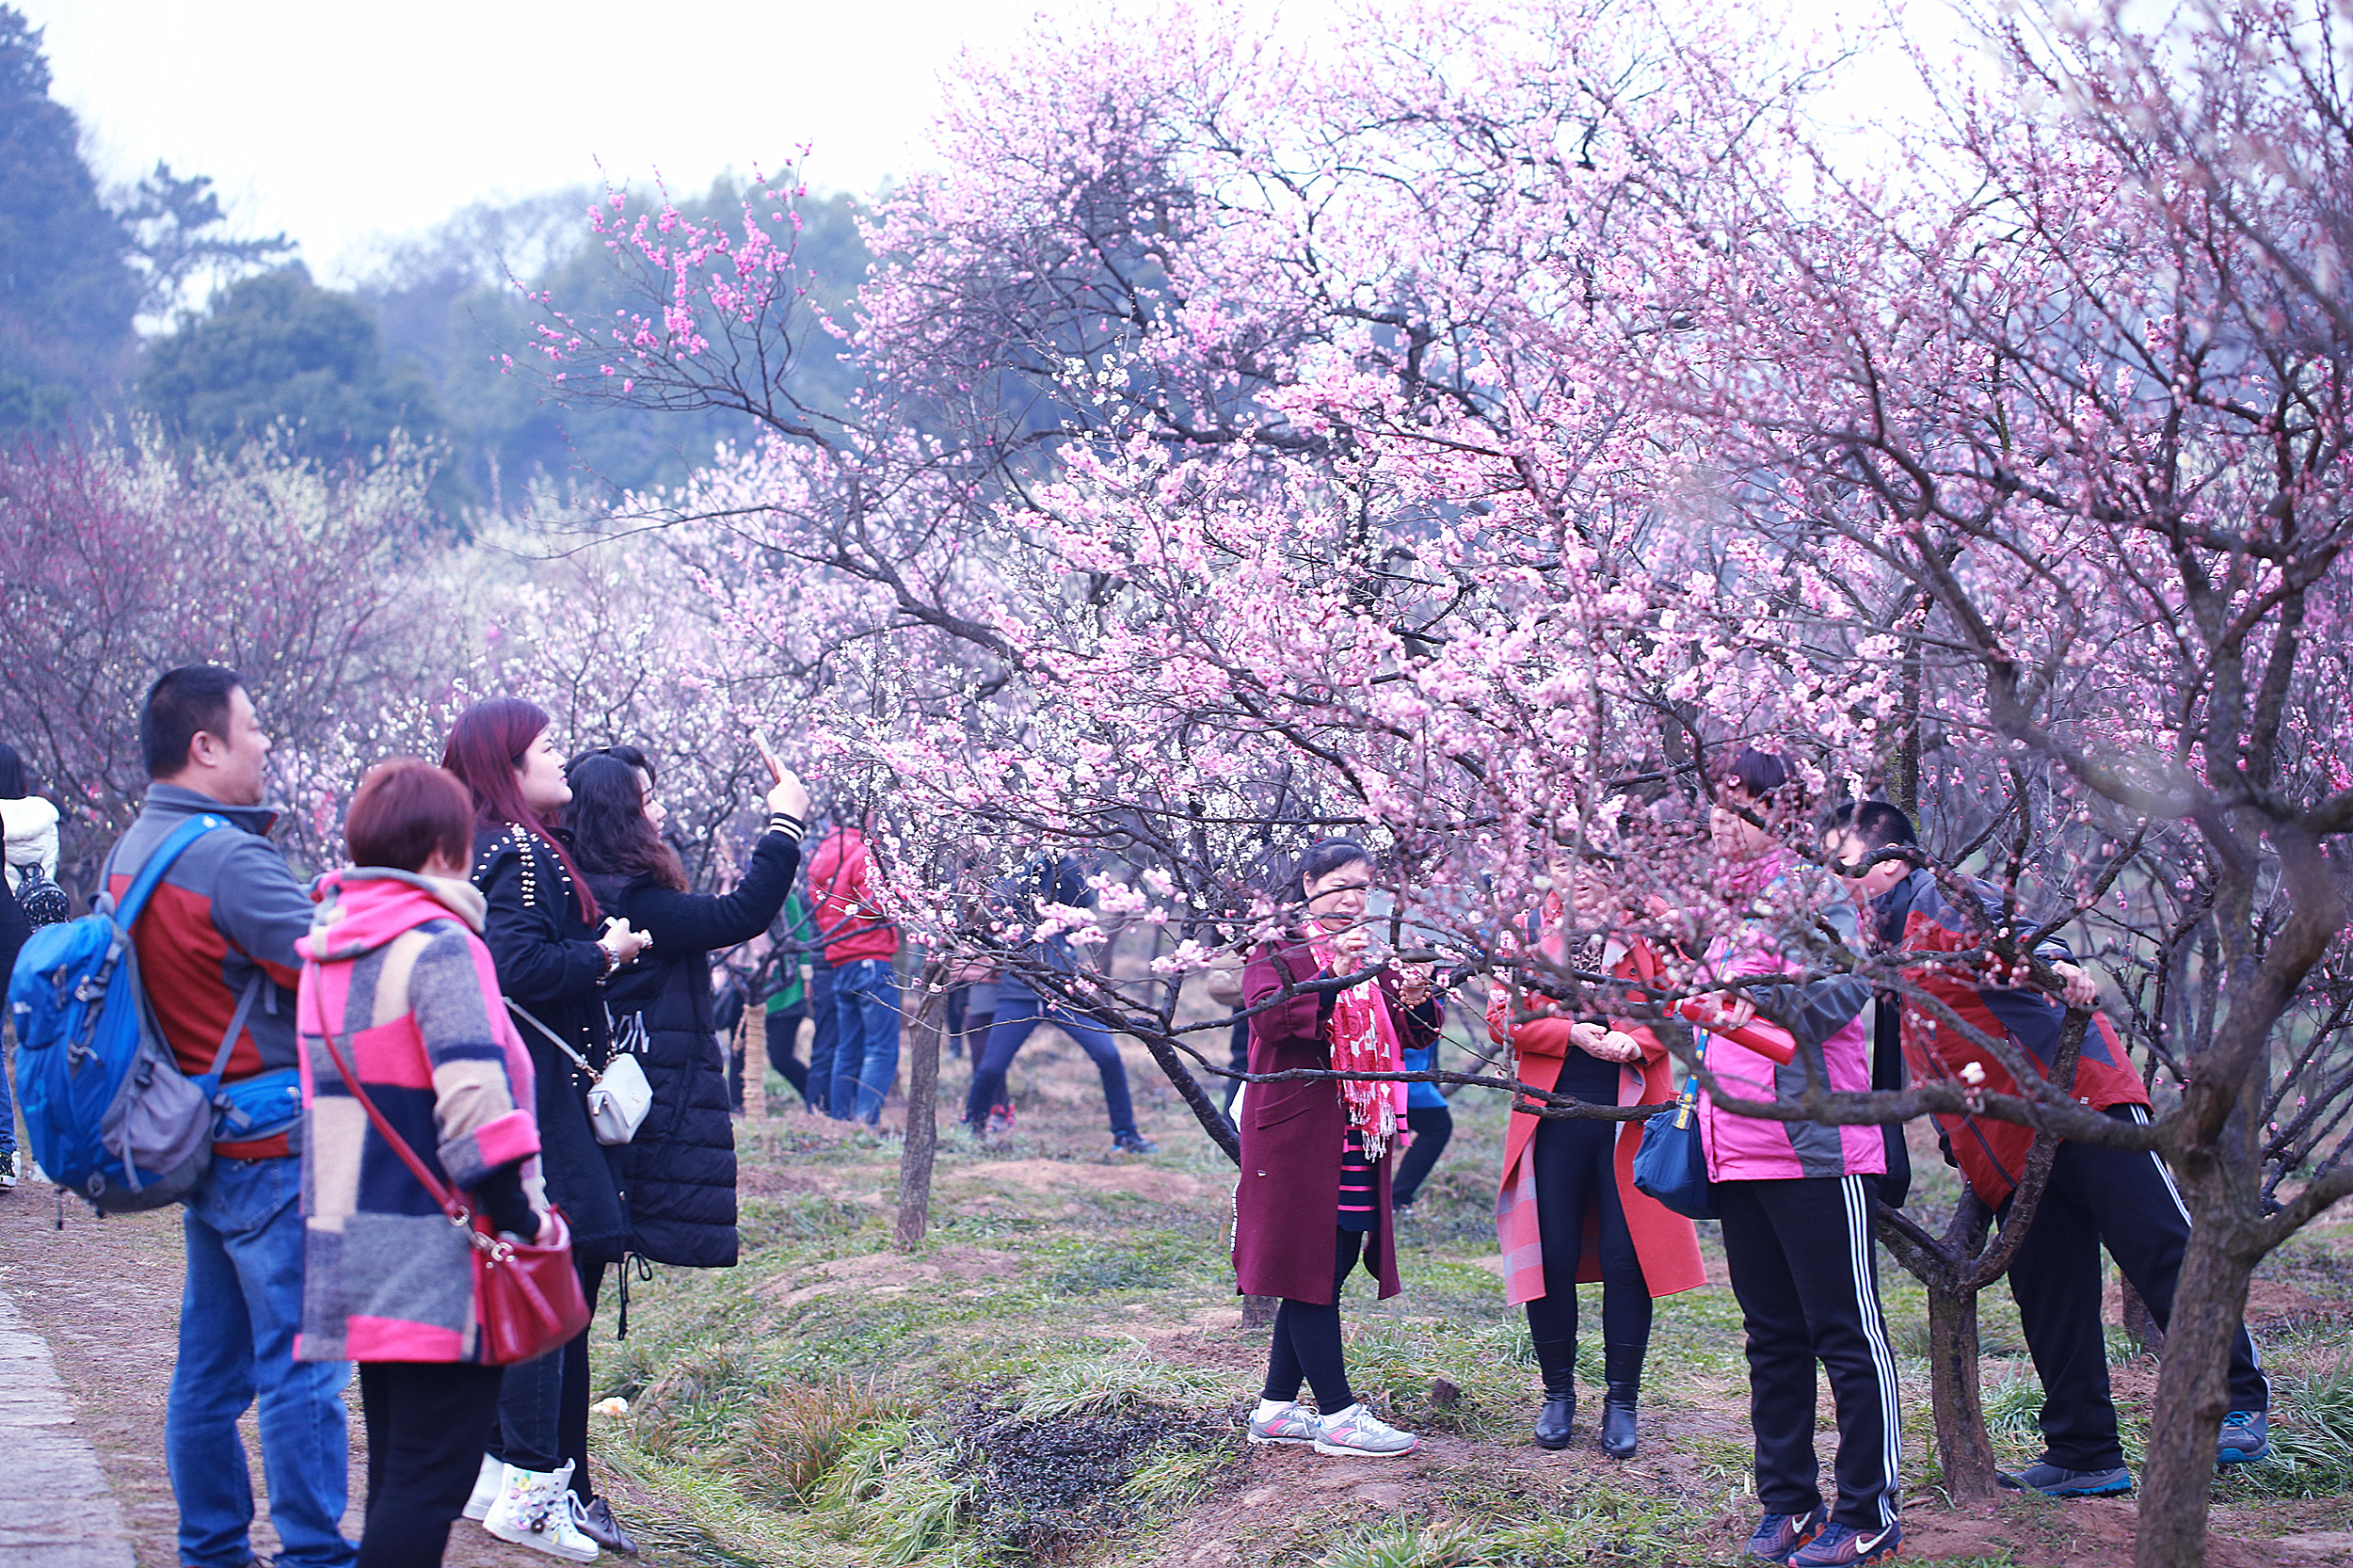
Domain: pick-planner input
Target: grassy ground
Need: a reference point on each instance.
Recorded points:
(1057, 1376)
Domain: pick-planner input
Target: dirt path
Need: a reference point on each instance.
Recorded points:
(56, 1508)
(105, 1295)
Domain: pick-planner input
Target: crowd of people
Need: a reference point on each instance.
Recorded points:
(444, 1011)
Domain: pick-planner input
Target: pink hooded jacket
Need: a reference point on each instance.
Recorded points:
(1833, 1020)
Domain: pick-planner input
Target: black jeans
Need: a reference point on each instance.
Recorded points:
(543, 1404)
(1306, 1340)
(1803, 1269)
(1577, 1181)
(2123, 1200)
(821, 1041)
(1433, 1127)
(423, 1421)
(783, 1038)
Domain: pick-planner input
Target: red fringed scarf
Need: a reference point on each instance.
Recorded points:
(1364, 1041)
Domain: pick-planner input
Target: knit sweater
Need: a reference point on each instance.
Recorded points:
(394, 966)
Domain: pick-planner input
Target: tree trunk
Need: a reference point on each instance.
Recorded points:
(2193, 1396)
(922, 1140)
(1963, 1448)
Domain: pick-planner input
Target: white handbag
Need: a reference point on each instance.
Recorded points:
(619, 1097)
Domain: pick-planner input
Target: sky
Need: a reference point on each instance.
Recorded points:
(345, 125)
(342, 124)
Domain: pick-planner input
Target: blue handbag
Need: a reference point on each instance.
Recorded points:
(1671, 1165)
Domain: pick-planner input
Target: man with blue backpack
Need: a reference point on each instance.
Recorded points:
(215, 942)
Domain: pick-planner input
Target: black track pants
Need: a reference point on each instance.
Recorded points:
(2126, 1201)
(1804, 1270)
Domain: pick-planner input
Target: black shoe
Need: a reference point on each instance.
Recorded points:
(1625, 1371)
(2056, 1480)
(1557, 1358)
(595, 1520)
(1133, 1142)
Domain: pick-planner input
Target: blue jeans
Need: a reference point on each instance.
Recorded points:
(1017, 1013)
(865, 1038)
(238, 1321)
(7, 1108)
(821, 1043)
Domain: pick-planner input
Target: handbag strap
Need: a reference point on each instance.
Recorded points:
(442, 1195)
(553, 1038)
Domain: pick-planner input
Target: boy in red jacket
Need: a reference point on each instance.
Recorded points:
(2095, 1197)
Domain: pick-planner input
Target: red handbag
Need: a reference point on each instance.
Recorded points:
(527, 1295)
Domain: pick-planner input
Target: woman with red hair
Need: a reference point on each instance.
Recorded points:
(554, 952)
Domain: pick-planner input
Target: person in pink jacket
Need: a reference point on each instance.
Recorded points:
(394, 968)
(1795, 1200)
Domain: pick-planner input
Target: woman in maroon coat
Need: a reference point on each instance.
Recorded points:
(1314, 1193)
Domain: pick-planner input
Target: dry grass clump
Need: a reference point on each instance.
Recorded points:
(783, 1447)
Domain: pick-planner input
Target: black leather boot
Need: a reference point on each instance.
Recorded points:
(1558, 1359)
(1623, 1365)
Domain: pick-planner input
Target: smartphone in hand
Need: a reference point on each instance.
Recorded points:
(768, 754)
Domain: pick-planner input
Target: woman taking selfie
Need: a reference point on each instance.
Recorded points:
(1313, 1195)
(680, 1168)
(555, 953)
(1568, 1210)
(387, 1280)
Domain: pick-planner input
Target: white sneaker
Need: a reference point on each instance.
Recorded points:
(1287, 1424)
(1359, 1432)
(486, 1488)
(8, 1168)
(534, 1510)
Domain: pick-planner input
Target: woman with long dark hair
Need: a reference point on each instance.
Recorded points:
(1314, 1194)
(679, 1169)
(555, 953)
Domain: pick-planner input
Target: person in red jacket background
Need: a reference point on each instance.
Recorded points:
(2118, 1198)
(860, 943)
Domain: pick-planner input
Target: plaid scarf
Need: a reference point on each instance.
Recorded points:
(1363, 1041)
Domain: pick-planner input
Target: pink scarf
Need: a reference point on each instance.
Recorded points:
(1363, 1041)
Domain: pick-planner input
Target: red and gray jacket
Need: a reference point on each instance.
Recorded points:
(1919, 915)
(228, 909)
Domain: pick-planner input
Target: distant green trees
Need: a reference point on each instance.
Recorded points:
(68, 295)
(437, 344)
(279, 349)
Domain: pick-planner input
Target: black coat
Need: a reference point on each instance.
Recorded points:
(550, 965)
(679, 1169)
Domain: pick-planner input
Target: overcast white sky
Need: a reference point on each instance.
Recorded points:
(338, 122)
(342, 124)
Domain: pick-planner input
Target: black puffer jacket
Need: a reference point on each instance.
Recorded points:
(548, 964)
(679, 1169)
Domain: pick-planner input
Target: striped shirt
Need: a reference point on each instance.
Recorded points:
(1358, 1188)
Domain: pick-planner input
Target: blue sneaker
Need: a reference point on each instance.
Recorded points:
(2246, 1437)
(2056, 1480)
(1777, 1535)
(1843, 1544)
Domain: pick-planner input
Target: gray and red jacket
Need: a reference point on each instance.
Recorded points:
(1922, 915)
(228, 907)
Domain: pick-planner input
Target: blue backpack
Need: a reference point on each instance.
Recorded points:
(110, 1114)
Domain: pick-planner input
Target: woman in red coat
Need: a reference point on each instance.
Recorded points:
(1568, 1210)
(1314, 1194)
